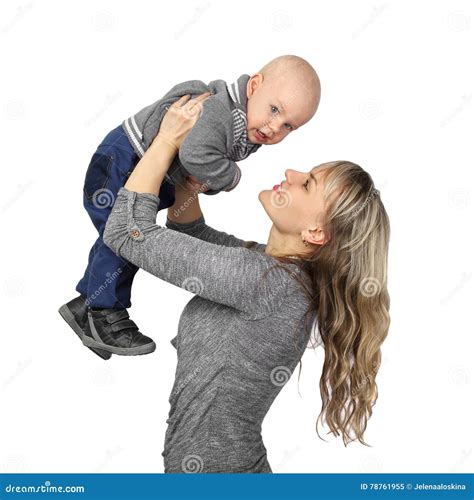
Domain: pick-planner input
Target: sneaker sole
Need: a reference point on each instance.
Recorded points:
(121, 351)
(68, 317)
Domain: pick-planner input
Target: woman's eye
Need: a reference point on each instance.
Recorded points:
(274, 109)
(306, 184)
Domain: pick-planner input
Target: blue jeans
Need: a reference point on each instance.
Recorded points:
(107, 281)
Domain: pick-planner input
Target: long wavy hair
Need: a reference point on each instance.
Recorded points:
(346, 281)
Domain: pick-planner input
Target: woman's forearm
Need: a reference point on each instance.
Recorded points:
(186, 207)
(148, 176)
(150, 171)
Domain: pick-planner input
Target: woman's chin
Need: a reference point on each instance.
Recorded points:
(262, 195)
(264, 198)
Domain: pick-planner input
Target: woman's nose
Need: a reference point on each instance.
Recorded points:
(289, 174)
(292, 175)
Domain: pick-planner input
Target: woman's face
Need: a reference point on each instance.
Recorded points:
(296, 204)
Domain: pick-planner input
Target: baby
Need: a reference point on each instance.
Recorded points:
(236, 120)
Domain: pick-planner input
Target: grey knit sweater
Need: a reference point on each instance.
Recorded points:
(217, 140)
(239, 339)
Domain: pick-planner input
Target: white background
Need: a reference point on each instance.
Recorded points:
(397, 82)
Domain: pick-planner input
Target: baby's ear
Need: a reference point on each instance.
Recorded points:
(253, 83)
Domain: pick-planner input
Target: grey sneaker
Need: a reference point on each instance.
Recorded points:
(112, 330)
(75, 315)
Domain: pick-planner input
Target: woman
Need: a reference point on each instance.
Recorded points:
(242, 335)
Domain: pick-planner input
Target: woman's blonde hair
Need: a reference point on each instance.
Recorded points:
(346, 279)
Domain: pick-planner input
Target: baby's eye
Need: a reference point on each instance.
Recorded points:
(274, 109)
(288, 126)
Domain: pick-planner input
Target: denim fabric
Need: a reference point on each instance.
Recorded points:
(107, 280)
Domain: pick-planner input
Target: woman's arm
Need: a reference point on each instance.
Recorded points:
(150, 171)
(186, 216)
(237, 277)
(186, 206)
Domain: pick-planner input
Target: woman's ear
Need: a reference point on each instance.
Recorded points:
(314, 236)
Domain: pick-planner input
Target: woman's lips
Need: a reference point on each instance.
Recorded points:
(277, 187)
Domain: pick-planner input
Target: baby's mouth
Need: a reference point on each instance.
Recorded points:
(260, 135)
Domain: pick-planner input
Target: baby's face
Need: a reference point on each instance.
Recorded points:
(277, 107)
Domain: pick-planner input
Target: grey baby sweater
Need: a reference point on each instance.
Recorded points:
(215, 143)
(239, 339)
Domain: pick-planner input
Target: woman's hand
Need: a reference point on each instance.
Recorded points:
(180, 119)
(150, 171)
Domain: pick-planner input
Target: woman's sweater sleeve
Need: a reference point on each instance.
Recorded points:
(237, 277)
(199, 229)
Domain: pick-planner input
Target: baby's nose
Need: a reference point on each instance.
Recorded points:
(269, 132)
(276, 127)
